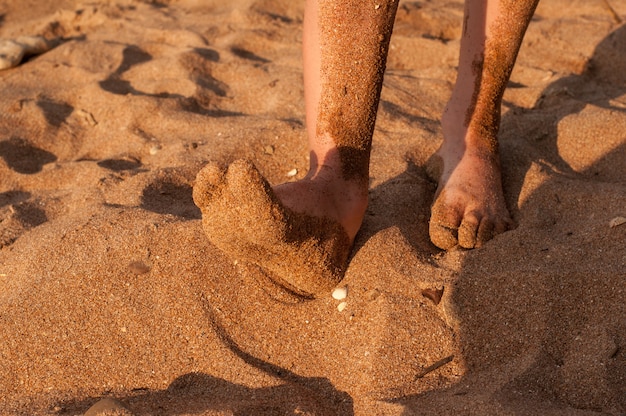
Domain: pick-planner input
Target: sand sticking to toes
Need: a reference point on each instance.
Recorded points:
(305, 255)
(109, 287)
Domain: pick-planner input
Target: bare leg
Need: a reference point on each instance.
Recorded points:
(469, 207)
(345, 49)
(301, 232)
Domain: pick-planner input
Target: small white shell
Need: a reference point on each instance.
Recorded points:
(342, 306)
(292, 173)
(340, 293)
(617, 221)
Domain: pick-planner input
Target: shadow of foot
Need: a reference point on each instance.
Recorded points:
(242, 216)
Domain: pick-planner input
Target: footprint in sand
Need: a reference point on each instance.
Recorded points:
(131, 55)
(23, 157)
(241, 216)
(18, 215)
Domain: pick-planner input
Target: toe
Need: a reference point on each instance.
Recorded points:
(490, 227)
(244, 177)
(442, 236)
(503, 225)
(250, 193)
(443, 226)
(207, 182)
(485, 232)
(253, 192)
(468, 231)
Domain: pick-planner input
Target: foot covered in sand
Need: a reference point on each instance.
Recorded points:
(469, 207)
(244, 218)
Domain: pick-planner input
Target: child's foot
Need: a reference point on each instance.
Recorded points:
(469, 207)
(300, 234)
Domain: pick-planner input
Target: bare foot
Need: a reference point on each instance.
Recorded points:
(325, 193)
(295, 233)
(469, 207)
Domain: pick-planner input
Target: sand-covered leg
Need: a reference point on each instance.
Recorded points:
(469, 207)
(242, 216)
(300, 233)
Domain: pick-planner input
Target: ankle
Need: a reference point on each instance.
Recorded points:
(344, 163)
(323, 192)
(460, 139)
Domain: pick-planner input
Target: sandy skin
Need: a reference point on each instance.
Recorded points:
(304, 240)
(242, 216)
(301, 232)
(469, 207)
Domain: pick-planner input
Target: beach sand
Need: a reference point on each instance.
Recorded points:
(110, 289)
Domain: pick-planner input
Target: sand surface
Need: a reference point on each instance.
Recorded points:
(109, 288)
